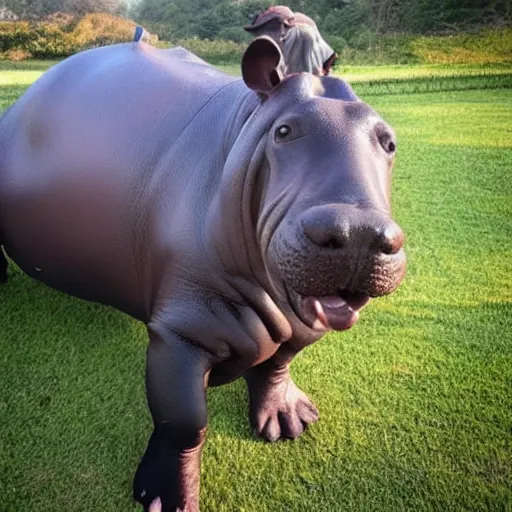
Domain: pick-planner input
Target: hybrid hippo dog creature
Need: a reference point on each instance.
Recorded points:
(239, 219)
(297, 35)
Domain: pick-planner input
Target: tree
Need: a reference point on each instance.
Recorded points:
(33, 9)
(346, 19)
(86, 6)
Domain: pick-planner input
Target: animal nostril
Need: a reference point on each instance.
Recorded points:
(387, 247)
(332, 243)
(391, 239)
(386, 138)
(324, 233)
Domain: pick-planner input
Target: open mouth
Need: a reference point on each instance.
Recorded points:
(330, 312)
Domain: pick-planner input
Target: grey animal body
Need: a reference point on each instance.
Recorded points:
(239, 219)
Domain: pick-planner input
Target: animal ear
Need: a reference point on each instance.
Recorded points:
(278, 14)
(329, 63)
(262, 65)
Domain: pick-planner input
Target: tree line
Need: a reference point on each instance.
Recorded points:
(37, 9)
(344, 18)
(211, 19)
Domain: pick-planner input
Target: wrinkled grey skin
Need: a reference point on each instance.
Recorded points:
(239, 219)
(303, 48)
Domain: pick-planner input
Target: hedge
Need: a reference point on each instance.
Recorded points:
(60, 37)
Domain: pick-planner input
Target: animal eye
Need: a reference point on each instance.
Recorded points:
(283, 132)
(386, 139)
(389, 146)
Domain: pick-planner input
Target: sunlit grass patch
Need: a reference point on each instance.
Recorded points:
(359, 74)
(488, 46)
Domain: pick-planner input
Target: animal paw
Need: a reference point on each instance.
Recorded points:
(167, 479)
(151, 491)
(146, 493)
(281, 410)
(146, 489)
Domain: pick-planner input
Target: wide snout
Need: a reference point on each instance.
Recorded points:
(350, 228)
(337, 249)
(334, 257)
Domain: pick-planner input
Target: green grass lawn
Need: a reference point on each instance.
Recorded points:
(367, 80)
(415, 401)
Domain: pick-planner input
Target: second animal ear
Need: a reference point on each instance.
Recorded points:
(262, 68)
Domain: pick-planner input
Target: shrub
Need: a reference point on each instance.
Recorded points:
(15, 35)
(337, 43)
(218, 51)
(61, 35)
(236, 34)
(100, 29)
(15, 54)
(50, 42)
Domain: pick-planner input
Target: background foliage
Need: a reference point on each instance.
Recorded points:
(37, 9)
(354, 23)
(352, 20)
(59, 35)
(62, 35)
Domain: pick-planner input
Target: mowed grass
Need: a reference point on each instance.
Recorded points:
(26, 72)
(415, 401)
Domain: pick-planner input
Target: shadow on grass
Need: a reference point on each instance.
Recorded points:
(43, 326)
(73, 395)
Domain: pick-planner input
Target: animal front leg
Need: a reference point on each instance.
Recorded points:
(167, 479)
(278, 408)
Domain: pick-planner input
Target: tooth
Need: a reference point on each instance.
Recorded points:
(318, 307)
(320, 314)
(333, 302)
